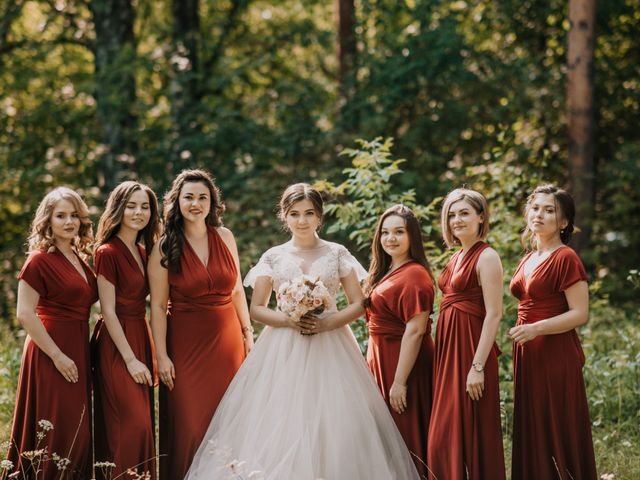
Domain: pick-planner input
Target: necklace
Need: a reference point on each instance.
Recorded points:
(73, 260)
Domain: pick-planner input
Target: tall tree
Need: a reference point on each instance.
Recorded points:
(346, 50)
(581, 113)
(186, 78)
(115, 53)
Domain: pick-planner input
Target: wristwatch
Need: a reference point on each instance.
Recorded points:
(478, 367)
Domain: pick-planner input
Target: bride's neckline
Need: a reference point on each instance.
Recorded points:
(293, 249)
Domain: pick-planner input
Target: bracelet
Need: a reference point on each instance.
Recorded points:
(247, 329)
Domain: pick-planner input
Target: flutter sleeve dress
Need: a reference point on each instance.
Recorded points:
(124, 409)
(43, 393)
(398, 297)
(551, 426)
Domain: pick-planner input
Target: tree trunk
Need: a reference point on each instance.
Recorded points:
(581, 114)
(115, 54)
(346, 48)
(185, 83)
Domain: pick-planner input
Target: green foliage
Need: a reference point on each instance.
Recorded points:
(368, 191)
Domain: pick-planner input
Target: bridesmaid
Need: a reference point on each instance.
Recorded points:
(465, 437)
(199, 316)
(55, 294)
(123, 395)
(399, 300)
(551, 426)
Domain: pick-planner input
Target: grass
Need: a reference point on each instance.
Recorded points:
(611, 342)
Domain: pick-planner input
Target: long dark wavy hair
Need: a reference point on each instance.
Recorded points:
(172, 239)
(381, 260)
(565, 209)
(111, 220)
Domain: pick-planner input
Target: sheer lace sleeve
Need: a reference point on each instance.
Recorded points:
(264, 268)
(347, 262)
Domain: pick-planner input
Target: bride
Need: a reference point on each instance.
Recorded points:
(304, 405)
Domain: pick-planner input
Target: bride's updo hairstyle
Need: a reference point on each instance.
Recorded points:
(296, 193)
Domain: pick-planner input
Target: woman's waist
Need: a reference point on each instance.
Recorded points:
(533, 310)
(209, 302)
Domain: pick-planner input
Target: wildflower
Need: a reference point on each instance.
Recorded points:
(45, 425)
(138, 476)
(61, 462)
(6, 465)
(104, 465)
(32, 454)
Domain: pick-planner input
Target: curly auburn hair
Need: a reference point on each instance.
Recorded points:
(111, 219)
(172, 239)
(41, 235)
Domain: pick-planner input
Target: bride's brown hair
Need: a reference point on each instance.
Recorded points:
(296, 193)
(381, 260)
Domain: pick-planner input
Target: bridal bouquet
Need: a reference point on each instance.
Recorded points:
(303, 295)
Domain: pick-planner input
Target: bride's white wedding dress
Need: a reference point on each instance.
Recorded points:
(304, 407)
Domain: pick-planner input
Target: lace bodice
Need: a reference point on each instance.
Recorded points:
(330, 262)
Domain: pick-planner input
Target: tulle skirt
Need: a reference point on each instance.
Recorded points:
(303, 408)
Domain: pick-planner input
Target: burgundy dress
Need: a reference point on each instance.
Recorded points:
(551, 427)
(400, 296)
(204, 341)
(124, 430)
(43, 393)
(465, 436)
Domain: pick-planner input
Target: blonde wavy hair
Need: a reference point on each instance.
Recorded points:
(41, 236)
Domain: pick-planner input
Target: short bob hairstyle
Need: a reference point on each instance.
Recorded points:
(479, 204)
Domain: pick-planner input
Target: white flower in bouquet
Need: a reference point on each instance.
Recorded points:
(303, 295)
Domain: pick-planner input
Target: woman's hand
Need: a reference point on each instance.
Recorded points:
(475, 384)
(308, 325)
(522, 334)
(247, 338)
(139, 372)
(66, 367)
(398, 397)
(166, 372)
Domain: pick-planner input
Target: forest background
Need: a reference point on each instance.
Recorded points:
(498, 95)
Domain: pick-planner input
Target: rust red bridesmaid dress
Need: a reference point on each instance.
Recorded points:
(400, 296)
(465, 436)
(551, 426)
(204, 341)
(43, 393)
(124, 430)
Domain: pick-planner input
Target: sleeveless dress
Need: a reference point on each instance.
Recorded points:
(465, 436)
(124, 420)
(204, 341)
(551, 426)
(398, 297)
(304, 407)
(43, 393)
